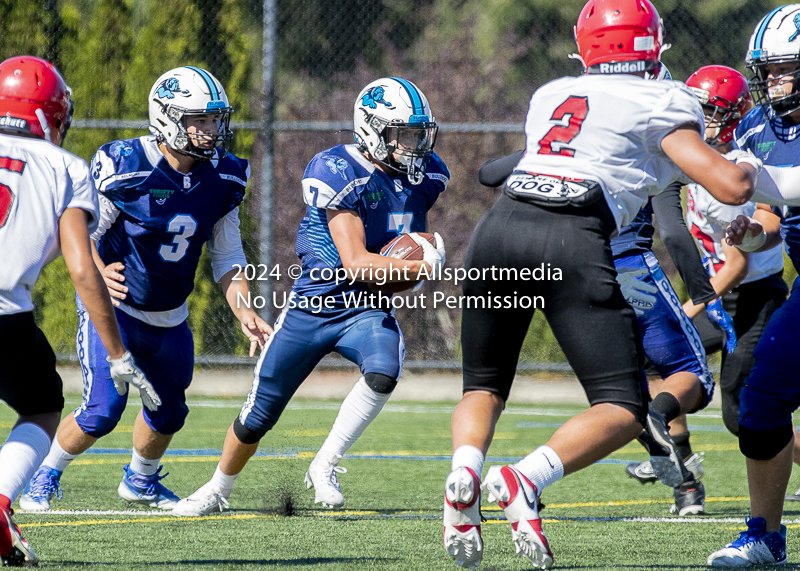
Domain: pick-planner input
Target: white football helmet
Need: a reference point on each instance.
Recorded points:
(776, 39)
(393, 123)
(189, 91)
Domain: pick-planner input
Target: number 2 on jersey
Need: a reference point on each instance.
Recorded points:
(184, 227)
(577, 108)
(6, 196)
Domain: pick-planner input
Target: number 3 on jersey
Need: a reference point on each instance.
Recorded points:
(6, 196)
(577, 108)
(184, 227)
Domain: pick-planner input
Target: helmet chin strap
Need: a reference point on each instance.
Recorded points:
(43, 123)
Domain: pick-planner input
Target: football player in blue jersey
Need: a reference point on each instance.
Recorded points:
(358, 197)
(161, 198)
(771, 131)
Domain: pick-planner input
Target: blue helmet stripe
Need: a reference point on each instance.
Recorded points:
(416, 100)
(763, 28)
(211, 85)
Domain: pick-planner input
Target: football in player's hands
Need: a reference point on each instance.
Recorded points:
(402, 247)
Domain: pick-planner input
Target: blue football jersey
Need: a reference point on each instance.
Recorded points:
(341, 178)
(165, 217)
(637, 237)
(776, 142)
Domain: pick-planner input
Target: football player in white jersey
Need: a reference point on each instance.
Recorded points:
(597, 146)
(48, 206)
(751, 283)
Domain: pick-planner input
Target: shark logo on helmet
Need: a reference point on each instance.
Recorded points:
(374, 96)
(168, 88)
(796, 22)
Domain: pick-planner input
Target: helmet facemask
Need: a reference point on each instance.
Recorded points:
(770, 92)
(185, 142)
(720, 115)
(402, 147)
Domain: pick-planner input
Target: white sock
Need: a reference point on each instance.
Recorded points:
(470, 457)
(358, 410)
(542, 467)
(58, 458)
(223, 482)
(20, 456)
(144, 466)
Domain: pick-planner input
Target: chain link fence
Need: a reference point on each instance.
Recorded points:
(292, 70)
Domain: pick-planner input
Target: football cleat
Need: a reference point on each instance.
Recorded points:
(462, 518)
(755, 546)
(520, 501)
(14, 549)
(45, 484)
(690, 498)
(146, 490)
(643, 471)
(322, 477)
(664, 457)
(206, 500)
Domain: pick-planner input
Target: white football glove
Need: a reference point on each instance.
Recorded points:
(739, 156)
(751, 241)
(433, 256)
(636, 292)
(124, 371)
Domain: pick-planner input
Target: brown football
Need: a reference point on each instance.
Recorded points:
(403, 247)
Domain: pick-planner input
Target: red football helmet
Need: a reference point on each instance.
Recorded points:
(619, 36)
(724, 92)
(34, 99)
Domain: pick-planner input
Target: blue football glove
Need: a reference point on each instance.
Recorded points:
(717, 314)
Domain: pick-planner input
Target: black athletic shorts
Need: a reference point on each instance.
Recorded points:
(29, 382)
(586, 310)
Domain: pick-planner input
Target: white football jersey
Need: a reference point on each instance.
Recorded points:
(38, 182)
(608, 129)
(708, 218)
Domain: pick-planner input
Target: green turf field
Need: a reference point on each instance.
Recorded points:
(597, 518)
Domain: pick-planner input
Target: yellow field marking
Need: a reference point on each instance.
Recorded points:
(626, 503)
(317, 432)
(184, 459)
(142, 520)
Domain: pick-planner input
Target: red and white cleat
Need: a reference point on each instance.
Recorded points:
(14, 549)
(519, 499)
(462, 518)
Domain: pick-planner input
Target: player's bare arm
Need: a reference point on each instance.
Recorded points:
(112, 276)
(347, 231)
(254, 328)
(77, 251)
(727, 182)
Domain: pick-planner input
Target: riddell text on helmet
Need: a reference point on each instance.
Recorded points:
(623, 67)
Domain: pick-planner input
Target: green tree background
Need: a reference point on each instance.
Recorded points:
(476, 60)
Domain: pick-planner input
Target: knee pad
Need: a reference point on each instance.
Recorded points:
(245, 435)
(764, 444)
(168, 426)
(379, 383)
(98, 426)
